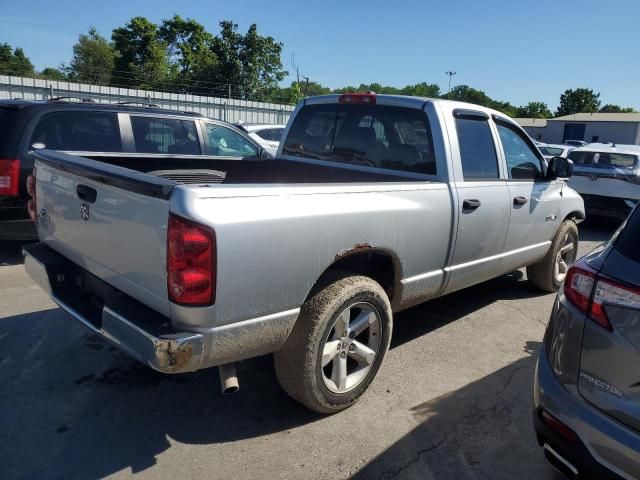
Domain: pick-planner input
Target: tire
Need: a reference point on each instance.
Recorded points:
(320, 327)
(564, 248)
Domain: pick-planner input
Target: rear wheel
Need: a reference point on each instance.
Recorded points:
(337, 345)
(549, 273)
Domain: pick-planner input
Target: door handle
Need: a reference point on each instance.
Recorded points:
(520, 200)
(471, 204)
(86, 193)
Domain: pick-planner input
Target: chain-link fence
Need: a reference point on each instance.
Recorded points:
(227, 109)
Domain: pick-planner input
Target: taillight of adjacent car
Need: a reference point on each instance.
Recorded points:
(9, 177)
(191, 262)
(31, 190)
(590, 292)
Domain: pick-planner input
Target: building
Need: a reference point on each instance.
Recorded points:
(535, 127)
(622, 128)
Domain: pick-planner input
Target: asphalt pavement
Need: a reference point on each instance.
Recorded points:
(452, 399)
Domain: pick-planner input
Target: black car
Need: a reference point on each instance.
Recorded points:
(95, 130)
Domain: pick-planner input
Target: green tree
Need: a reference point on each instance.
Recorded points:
(534, 110)
(504, 107)
(93, 59)
(51, 73)
(311, 88)
(15, 62)
(609, 108)
(465, 93)
(250, 61)
(423, 89)
(142, 59)
(577, 101)
(189, 49)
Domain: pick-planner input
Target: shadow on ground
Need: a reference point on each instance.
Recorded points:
(11, 252)
(78, 407)
(72, 406)
(482, 430)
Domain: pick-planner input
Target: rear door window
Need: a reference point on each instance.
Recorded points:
(165, 135)
(81, 131)
(477, 150)
(377, 136)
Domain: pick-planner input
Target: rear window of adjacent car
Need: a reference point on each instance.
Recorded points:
(603, 159)
(394, 138)
(627, 243)
(271, 134)
(551, 151)
(81, 131)
(165, 135)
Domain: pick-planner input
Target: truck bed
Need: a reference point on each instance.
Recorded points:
(234, 171)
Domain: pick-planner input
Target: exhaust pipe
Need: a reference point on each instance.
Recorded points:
(560, 463)
(228, 378)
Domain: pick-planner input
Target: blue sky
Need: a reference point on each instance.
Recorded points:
(513, 50)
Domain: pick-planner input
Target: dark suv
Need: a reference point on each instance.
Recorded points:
(95, 130)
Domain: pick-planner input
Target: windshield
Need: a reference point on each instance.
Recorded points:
(370, 135)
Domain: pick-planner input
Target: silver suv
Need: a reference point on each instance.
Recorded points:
(587, 382)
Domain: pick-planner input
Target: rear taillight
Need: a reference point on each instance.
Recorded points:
(559, 427)
(578, 286)
(609, 292)
(9, 175)
(369, 98)
(191, 262)
(590, 292)
(32, 207)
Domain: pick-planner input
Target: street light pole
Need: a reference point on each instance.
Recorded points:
(451, 74)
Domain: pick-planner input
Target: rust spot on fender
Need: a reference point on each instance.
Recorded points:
(357, 248)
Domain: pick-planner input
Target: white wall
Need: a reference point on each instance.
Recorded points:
(221, 108)
(627, 133)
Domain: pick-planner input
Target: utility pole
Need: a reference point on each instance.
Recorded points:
(451, 74)
(306, 86)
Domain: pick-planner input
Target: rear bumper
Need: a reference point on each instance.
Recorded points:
(143, 333)
(604, 450)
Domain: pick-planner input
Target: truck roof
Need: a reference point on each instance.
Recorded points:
(408, 102)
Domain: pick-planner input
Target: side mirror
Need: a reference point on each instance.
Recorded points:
(559, 167)
(264, 154)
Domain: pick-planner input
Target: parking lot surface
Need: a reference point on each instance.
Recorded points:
(452, 400)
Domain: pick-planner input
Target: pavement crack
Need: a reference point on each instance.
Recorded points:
(510, 378)
(419, 454)
(523, 313)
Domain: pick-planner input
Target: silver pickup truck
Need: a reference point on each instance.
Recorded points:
(374, 203)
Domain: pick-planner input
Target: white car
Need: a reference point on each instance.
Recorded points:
(268, 136)
(607, 176)
(550, 150)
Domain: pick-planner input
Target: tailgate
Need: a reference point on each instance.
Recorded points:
(109, 220)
